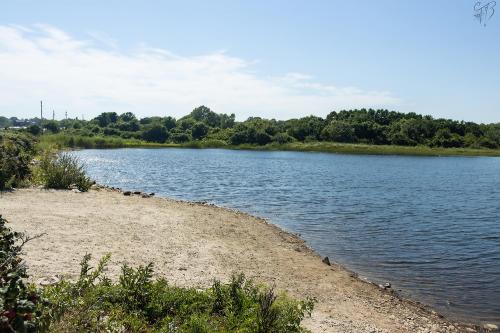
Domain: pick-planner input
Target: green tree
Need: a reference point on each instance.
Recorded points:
(199, 131)
(51, 125)
(339, 131)
(34, 129)
(307, 127)
(205, 115)
(4, 122)
(169, 123)
(156, 133)
(106, 118)
(180, 137)
(127, 117)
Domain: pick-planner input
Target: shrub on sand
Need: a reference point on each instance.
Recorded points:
(62, 171)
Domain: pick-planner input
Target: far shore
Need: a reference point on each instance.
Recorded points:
(191, 244)
(69, 141)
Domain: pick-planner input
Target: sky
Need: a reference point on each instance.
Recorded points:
(274, 59)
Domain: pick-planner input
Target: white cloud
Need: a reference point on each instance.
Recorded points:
(42, 62)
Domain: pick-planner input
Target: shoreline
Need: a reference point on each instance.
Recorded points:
(323, 146)
(408, 314)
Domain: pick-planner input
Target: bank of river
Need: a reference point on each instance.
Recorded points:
(191, 244)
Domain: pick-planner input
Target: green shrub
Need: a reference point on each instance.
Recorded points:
(16, 153)
(139, 303)
(283, 138)
(63, 171)
(17, 299)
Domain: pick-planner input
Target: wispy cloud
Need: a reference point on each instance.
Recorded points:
(87, 77)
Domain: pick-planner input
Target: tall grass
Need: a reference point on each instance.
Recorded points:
(62, 171)
(62, 140)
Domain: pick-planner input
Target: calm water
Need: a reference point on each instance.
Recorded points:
(429, 225)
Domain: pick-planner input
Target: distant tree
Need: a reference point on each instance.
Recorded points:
(302, 128)
(205, 115)
(240, 135)
(34, 129)
(129, 126)
(261, 138)
(185, 124)
(169, 122)
(444, 138)
(156, 133)
(199, 131)
(111, 131)
(106, 118)
(282, 138)
(150, 120)
(180, 137)
(339, 131)
(4, 122)
(127, 117)
(227, 121)
(51, 125)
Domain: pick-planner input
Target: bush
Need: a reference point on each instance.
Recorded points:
(63, 171)
(17, 300)
(199, 131)
(34, 129)
(155, 133)
(51, 125)
(283, 138)
(16, 152)
(180, 137)
(139, 303)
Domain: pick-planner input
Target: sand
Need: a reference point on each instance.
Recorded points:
(191, 244)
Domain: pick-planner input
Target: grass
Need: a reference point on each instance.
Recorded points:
(62, 140)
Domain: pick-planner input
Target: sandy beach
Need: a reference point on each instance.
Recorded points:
(191, 244)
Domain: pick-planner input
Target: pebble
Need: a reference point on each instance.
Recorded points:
(490, 327)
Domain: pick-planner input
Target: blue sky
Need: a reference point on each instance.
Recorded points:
(278, 59)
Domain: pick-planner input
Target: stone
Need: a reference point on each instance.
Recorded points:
(137, 192)
(48, 281)
(326, 260)
(127, 193)
(387, 285)
(151, 194)
(145, 195)
(490, 327)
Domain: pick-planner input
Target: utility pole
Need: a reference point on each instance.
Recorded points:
(41, 111)
(66, 115)
(53, 115)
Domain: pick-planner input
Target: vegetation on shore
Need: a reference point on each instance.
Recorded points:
(136, 302)
(23, 162)
(355, 131)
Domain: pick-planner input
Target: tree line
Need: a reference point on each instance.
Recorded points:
(367, 126)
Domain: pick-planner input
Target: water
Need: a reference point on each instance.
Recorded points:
(429, 225)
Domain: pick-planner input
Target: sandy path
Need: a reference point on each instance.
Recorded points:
(191, 244)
